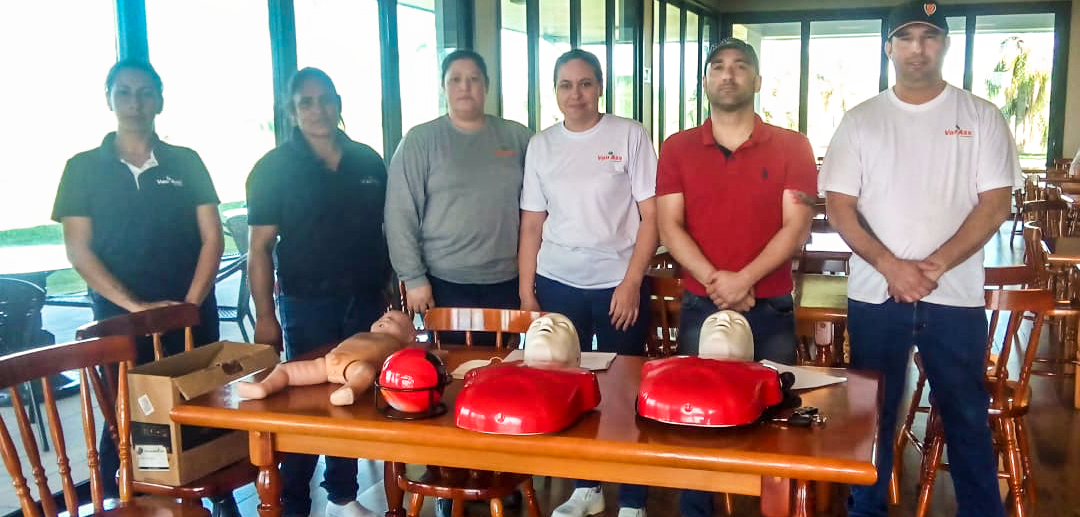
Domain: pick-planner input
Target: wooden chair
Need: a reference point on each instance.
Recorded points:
(84, 356)
(665, 305)
(999, 278)
(1064, 319)
(155, 323)
(462, 485)
(20, 329)
(1051, 215)
(1009, 402)
(469, 320)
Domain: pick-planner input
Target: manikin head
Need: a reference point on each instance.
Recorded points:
(397, 324)
(726, 335)
(552, 338)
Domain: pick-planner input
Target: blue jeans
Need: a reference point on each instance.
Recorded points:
(772, 320)
(503, 295)
(952, 345)
(309, 323)
(588, 310)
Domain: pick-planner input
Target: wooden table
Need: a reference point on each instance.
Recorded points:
(609, 444)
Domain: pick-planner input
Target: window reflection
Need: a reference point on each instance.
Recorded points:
(223, 96)
(845, 64)
(514, 64)
(778, 48)
(1012, 65)
(327, 37)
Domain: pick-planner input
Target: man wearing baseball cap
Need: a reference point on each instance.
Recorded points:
(917, 179)
(734, 203)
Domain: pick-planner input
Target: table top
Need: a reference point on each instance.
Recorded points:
(827, 243)
(840, 451)
(17, 260)
(1064, 250)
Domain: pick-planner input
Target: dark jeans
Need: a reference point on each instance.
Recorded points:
(207, 331)
(952, 345)
(309, 323)
(503, 295)
(772, 320)
(588, 310)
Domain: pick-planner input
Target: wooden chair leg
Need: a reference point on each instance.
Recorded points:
(729, 504)
(934, 445)
(532, 503)
(901, 441)
(416, 503)
(1025, 458)
(496, 507)
(458, 509)
(1014, 468)
(824, 496)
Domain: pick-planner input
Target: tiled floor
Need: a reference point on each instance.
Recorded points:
(1053, 421)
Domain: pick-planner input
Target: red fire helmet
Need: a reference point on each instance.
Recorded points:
(706, 392)
(511, 398)
(412, 380)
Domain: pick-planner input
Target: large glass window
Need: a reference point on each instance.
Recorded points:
(513, 62)
(778, 48)
(657, 133)
(594, 38)
(419, 57)
(221, 104)
(845, 64)
(328, 37)
(623, 57)
(672, 60)
(554, 41)
(690, 60)
(1012, 65)
(706, 46)
(55, 86)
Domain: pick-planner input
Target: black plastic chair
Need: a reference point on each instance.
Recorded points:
(20, 330)
(237, 227)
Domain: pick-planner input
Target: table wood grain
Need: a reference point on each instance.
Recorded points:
(610, 443)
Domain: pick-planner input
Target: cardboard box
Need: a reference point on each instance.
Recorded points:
(174, 454)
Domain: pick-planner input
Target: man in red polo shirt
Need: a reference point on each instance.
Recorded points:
(735, 200)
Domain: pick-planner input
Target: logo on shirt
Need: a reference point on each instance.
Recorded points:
(957, 131)
(609, 157)
(505, 152)
(169, 180)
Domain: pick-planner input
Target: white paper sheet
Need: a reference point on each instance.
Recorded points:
(806, 378)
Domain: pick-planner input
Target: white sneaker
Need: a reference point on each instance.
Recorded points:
(349, 509)
(584, 501)
(631, 512)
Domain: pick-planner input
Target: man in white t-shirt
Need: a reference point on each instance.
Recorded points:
(918, 179)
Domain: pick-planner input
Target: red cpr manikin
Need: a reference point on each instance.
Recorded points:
(706, 392)
(514, 398)
(544, 394)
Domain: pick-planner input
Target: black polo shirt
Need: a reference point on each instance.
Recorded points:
(329, 222)
(146, 232)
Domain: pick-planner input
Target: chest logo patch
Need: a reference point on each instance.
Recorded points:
(609, 157)
(959, 132)
(503, 153)
(764, 173)
(169, 180)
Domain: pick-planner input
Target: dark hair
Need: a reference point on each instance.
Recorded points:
(132, 64)
(465, 54)
(588, 57)
(297, 81)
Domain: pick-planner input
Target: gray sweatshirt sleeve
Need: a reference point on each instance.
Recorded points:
(405, 202)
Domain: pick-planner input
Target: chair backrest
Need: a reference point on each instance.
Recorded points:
(20, 314)
(1020, 276)
(237, 226)
(665, 304)
(153, 322)
(1013, 306)
(42, 363)
(469, 320)
(1051, 215)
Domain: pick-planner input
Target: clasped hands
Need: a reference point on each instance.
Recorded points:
(730, 290)
(911, 280)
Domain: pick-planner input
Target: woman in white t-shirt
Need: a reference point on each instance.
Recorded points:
(588, 230)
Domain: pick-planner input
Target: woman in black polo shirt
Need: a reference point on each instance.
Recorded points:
(140, 221)
(318, 199)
